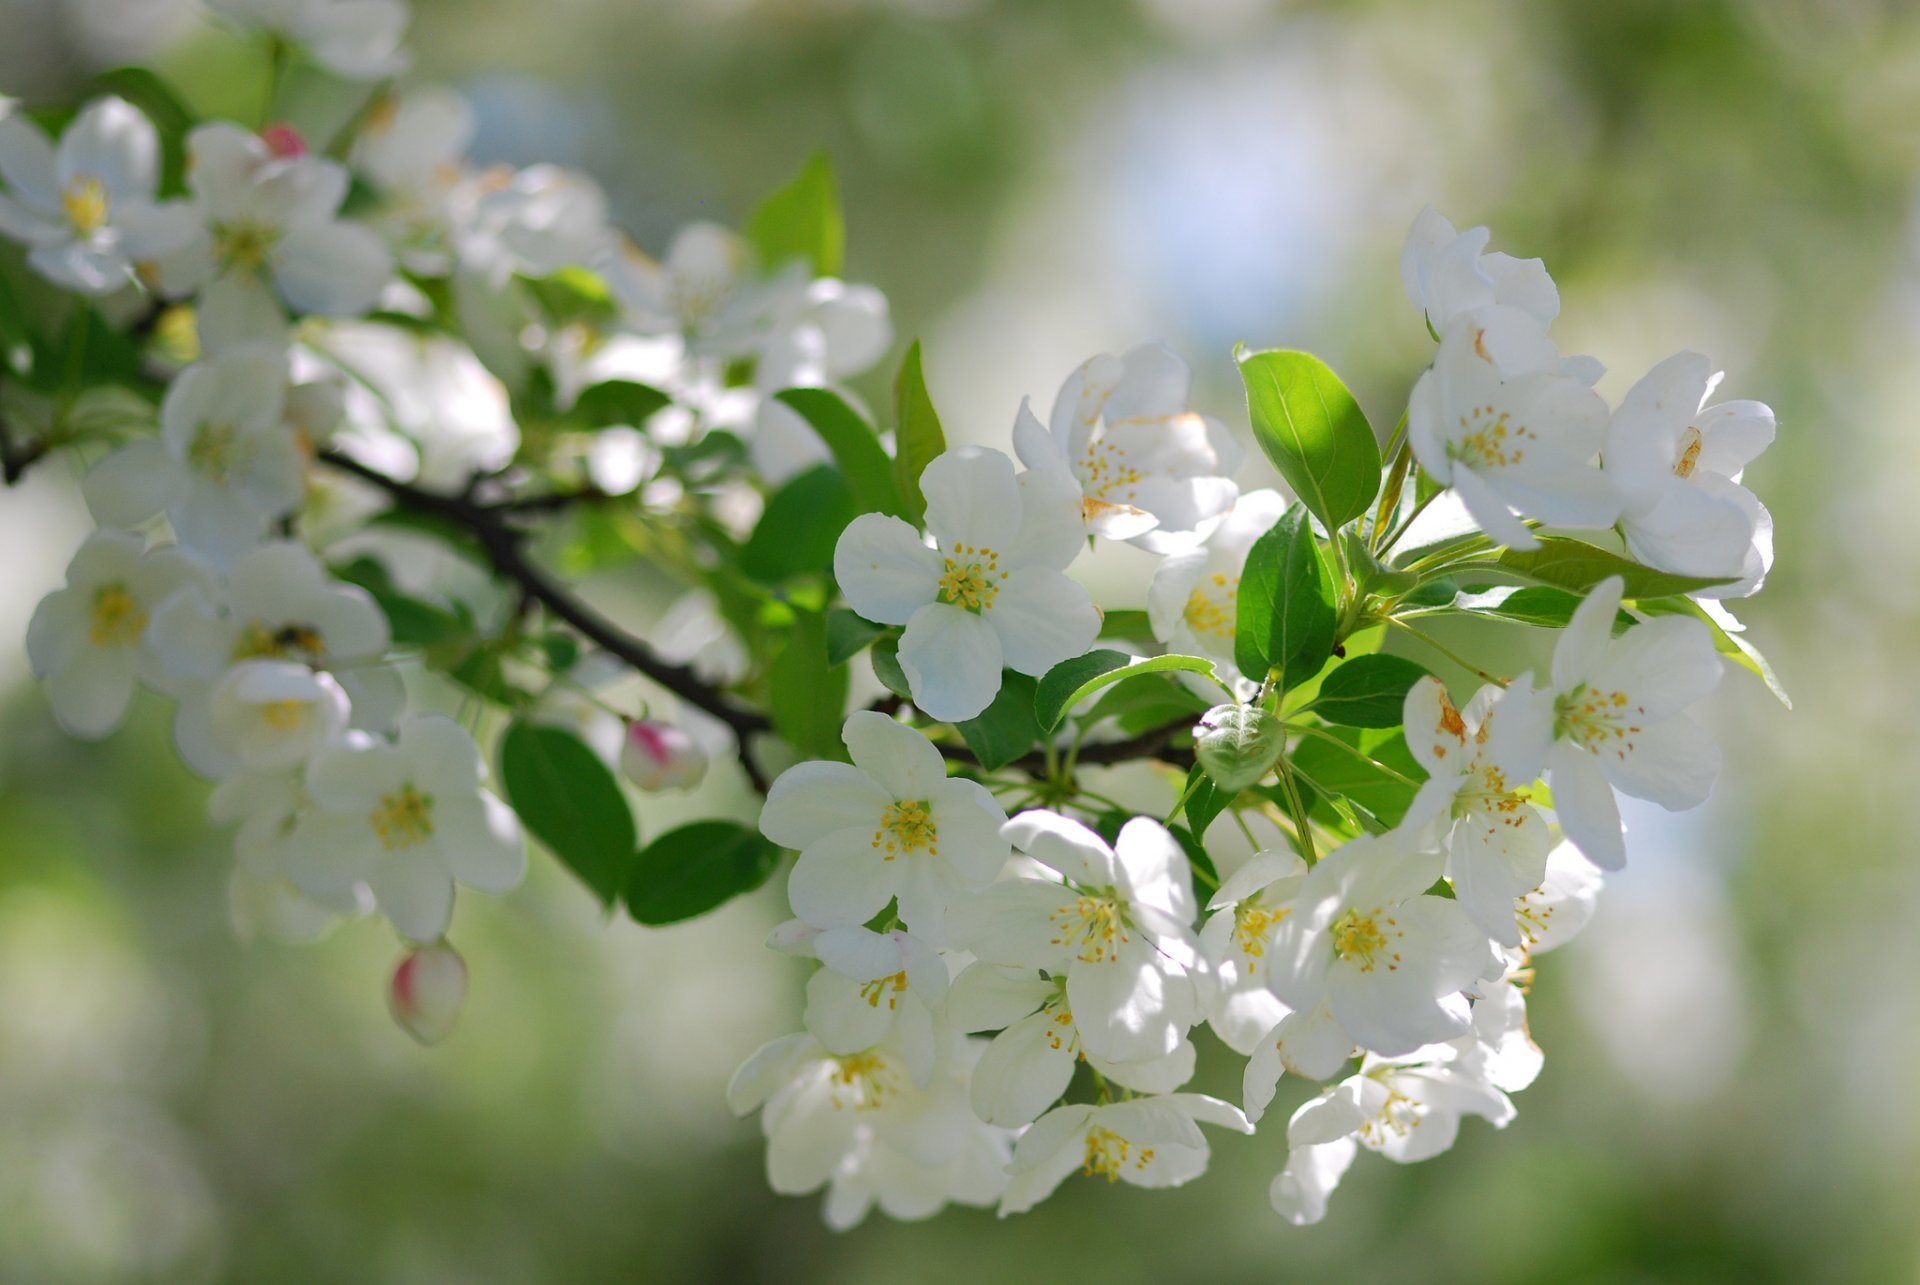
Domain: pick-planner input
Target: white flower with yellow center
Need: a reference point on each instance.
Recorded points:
(877, 987)
(406, 818)
(268, 236)
(1614, 718)
(1237, 943)
(225, 466)
(1495, 840)
(268, 715)
(857, 1125)
(695, 292)
(86, 210)
(1118, 930)
(889, 826)
(990, 593)
(87, 641)
(1143, 1142)
(1677, 461)
(358, 39)
(1029, 1063)
(1554, 913)
(1449, 273)
(1192, 603)
(1387, 961)
(1499, 421)
(1148, 468)
(1407, 1109)
(279, 604)
(532, 222)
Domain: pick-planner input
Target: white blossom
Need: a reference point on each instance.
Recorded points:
(990, 593)
(1614, 717)
(1448, 274)
(1143, 1142)
(87, 641)
(358, 39)
(889, 826)
(1147, 468)
(1677, 463)
(1237, 942)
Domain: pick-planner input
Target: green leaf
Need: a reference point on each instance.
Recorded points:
(171, 117)
(1367, 691)
(482, 672)
(801, 524)
(571, 802)
(802, 221)
(696, 868)
(1382, 780)
(573, 295)
(855, 446)
(1072, 681)
(1007, 728)
(411, 621)
(1238, 744)
(917, 435)
(848, 633)
(886, 667)
(1136, 707)
(808, 696)
(1729, 642)
(1205, 800)
(1539, 605)
(1314, 432)
(1574, 565)
(618, 401)
(1285, 615)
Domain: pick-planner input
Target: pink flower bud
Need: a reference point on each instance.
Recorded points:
(284, 141)
(659, 756)
(427, 991)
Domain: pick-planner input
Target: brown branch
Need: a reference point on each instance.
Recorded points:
(14, 457)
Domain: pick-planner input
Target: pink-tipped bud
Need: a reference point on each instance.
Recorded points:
(427, 992)
(284, 141)
(659, 756)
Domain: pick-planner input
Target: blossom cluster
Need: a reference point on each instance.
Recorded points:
(357, 413)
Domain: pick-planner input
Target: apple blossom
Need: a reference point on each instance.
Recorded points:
(1449, 273)
(1236, 941)
(1143, 1142)
(427, 991)
(989, 593)
(660, 756)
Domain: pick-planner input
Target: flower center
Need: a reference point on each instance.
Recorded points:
(1108, 1153)
(863, 1081)
(1207, 614)
(288, 642)
(970, 577)
(907, 827)
(887, 988)
(1105, 470)
(1488, 440)
(1096, 927)
(1365, 937)
(243, 245)
(1596, 720)
(1252, 924)
(1485, 790)
(217, 451)
(1689, 453)
(1061, 1033)
(403, 819)
(283, 716)
(85, 204)
(1397, 1115)
(118, 619)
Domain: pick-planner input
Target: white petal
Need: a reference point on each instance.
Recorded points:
(481, 841)
(901, 760)
(972, 498)
(884, 569)
(1042, 618)
(812, 800)
(841, 879)
(951, 658)
(1672, 763)
(416, 893)
(1584, 803)
(131, 485)
(334, 270)
(1024, 1070)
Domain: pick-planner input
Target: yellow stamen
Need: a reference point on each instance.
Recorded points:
(403, 819)
(907, 827)
(1365, 938)
(118, 619)
(85, 203)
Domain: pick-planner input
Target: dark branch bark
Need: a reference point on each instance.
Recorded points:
(15, 457)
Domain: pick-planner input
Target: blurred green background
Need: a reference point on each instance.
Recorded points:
(1732, 1089)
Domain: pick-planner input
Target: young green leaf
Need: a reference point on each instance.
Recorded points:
(1575, 565)
(808, 699)
(1285, 616)
(1072, 681)
(1238, 744)
(917, 435)
(802, 221)
(1314, 432)
(571, 802)
(855, 446)
(848, 633)
(886, 667)
(1367, 691)
(1205, 800)
(618, 401)
(1007, 728)
(696, 868)
(801, 524)
(1381, 780)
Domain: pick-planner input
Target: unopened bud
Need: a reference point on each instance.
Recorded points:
(660, 756)
(284, 141)
(427, 992)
